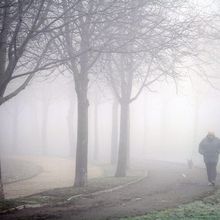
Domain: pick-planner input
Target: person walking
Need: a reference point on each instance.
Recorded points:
(210, 149)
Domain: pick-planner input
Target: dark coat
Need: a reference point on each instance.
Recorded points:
(210, 149)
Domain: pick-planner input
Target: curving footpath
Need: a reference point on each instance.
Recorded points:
(56, 173)
(167, 185)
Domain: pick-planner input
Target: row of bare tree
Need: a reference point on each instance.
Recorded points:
(130, 44)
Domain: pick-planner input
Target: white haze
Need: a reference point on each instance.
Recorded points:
(166, 123)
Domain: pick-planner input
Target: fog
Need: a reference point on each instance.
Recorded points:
(167, 123)
(107, 104)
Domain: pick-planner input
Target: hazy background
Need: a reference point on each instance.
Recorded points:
(167, 122)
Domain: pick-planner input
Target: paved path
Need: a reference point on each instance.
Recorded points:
(168, 185)
(56, 173)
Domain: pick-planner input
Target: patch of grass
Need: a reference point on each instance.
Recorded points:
(60, 195)
(205, 209)
(9, 203)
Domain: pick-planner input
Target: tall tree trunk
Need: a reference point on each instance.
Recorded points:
(3, 58)
(45, 109)
(1, 184)
(123, 141)
(35, 126)
(114, 138)
(82, 138)
(15, 129)
(128, 141)
(70, 121)
(195, 127)
(145, 140)
(164, 121)
(96, 141)
(2, 91)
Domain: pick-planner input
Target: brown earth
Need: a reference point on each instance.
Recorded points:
(167, 185)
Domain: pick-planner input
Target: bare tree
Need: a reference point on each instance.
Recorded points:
(45, 105)
(96, 134)
(15, 128)
(161, 40)
(25, 45)
(114, 135)
(71, 123)
(86, 34)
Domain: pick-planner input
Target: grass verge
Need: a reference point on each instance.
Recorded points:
(9, 203)
(207, 208)
(61, 195)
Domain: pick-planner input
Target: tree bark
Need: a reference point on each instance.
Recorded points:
(195, 127)
(96, 139)
(114, 138)
(15, 130)
(45, 110)
(81, 87)
(3, 58)
(2, 196)
(145, 140)
(70, 121)
(3, 49)
(128, 141)
(123, 141)
(82, 138)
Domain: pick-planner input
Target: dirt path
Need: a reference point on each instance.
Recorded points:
(56, 173)
(167, 185)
